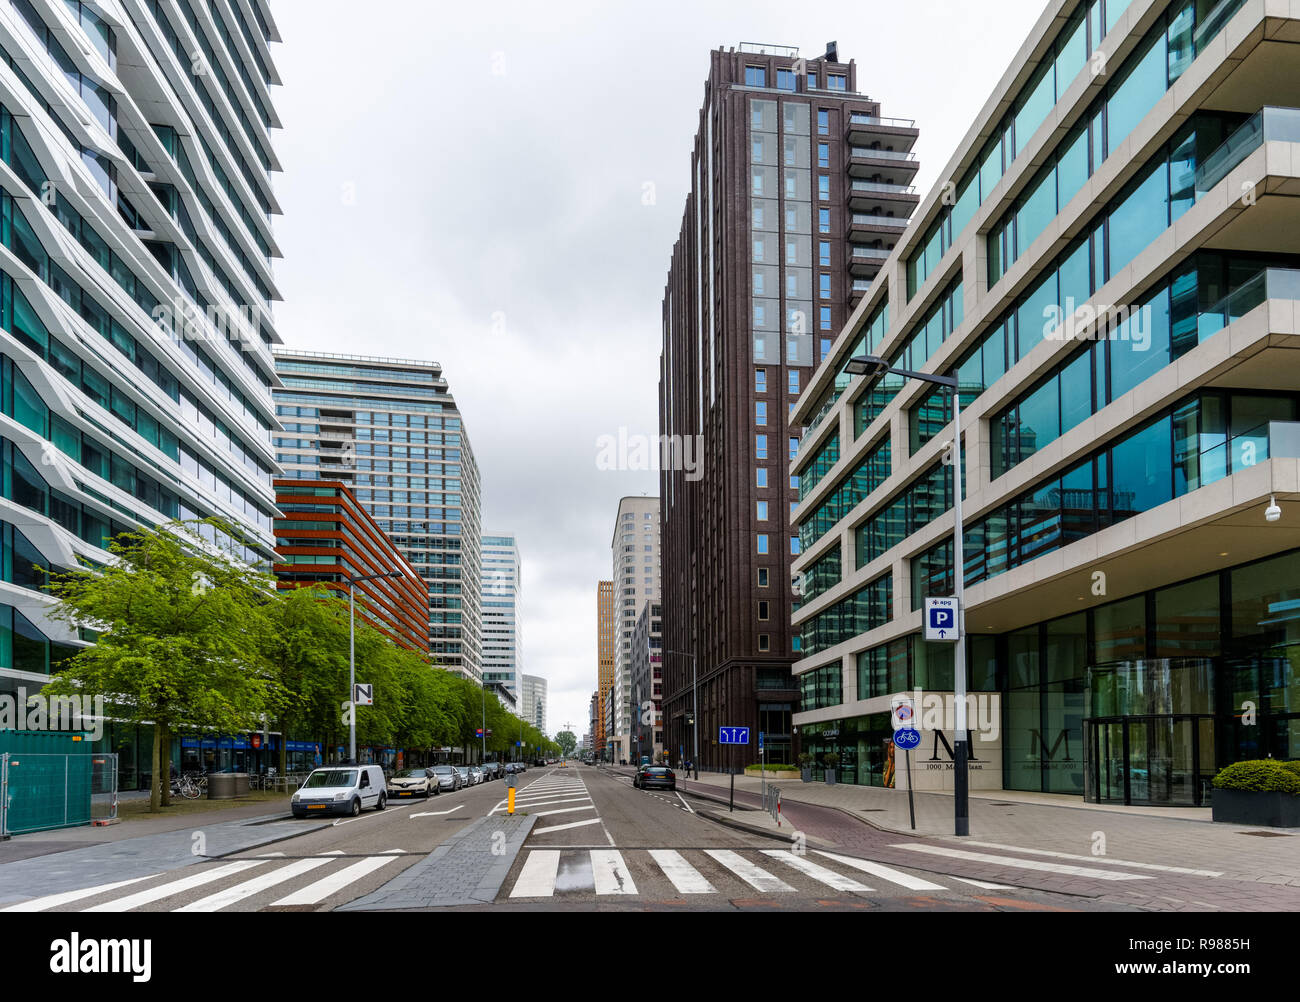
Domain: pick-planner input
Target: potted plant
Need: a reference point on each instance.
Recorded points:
(805, 767)
(831, 760)
(1261, 792)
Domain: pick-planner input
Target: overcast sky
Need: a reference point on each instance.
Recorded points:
(469, 184)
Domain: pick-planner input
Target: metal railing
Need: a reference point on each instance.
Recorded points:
(1267, 124)
(893, 189)
(892, 222)
(864, 151)
(858, 118)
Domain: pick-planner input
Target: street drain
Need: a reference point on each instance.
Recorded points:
(1267, 834)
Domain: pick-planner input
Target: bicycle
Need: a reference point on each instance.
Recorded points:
(184, 786)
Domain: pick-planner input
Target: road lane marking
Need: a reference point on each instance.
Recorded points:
(564, 810)
(437, 814)
(333, 883)
(611, 873)
(684, 877)
(1023, 864)
(176, 887)
(67, 897)
(884, 872)
(684, 803)
(808, 868)
(982, 884)
(571, 824)
(236, 894)
(537, 878)
(755, 876)
(1098, 859)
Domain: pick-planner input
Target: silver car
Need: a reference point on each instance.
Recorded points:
(469, 775)
(448, 778)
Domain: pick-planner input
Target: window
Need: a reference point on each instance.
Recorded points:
(824, 286)
(823, 116)
(760, 413)
(764, 642)
(760, 447)
(755, 76)
(794, 380)
(763, 612)
(760, 380)
(823, 154)
(794, 447)
(837, 81)
(824, 320)
(760, 249)
(785, 80)
(794, 546)
(823, 220)
(762, 476)
(763, 544)
(764, 577)
(824, 253)
(762, 511)
(824, 189)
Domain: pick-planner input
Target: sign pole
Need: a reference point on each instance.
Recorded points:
(911, 804)
(731, 767)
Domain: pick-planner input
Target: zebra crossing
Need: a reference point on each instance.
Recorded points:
(559, 873)
(259, 883)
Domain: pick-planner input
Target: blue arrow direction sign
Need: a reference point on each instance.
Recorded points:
(907, 738)
(733, 735)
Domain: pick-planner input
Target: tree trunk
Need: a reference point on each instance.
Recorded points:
(156, 773)
(283, 767)
(161, 737)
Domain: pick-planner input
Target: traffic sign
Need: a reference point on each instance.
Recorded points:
(760, 740)
(906, 738)
(363, 695)
(901, 712)
(733, 735)
(941, 620)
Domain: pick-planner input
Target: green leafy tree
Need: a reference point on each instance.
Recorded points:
(567, 741)
(182, 633)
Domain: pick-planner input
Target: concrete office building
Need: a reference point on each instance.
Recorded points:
(390, 429)
(604, 663)
(647, 685)
(502, 632)
(799, 192)
(135, 296)
(1109, 270)
(634, 550)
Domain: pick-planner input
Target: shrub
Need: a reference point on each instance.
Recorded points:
(1260, 776)
(772, 768)
(1293, 766)
(832, 759)
(804, 759)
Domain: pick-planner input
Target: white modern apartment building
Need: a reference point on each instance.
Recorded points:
(1108, 272)
(502, 635)
(635, 552)
(135, 293)
(532, 705)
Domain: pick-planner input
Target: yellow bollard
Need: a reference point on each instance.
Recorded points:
(510, 801)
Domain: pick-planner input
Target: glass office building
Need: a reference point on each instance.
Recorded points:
(1109, 270)
(135, 294)
(390, 430)
(502, 632)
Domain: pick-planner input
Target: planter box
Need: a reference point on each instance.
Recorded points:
(1271, 810)
(830, 777)
(806, 774)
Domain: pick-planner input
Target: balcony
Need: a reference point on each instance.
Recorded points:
(1266, 125)
(868, 196)
(865, 161)
(866, 261)
(899, 133)
(869, 227)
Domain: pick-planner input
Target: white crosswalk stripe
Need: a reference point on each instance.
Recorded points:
(884, 872)
(537, 878)
(233, 895)
(610, 872)
(755, 876)
(167, 890)
(1024, 864)
(67, 897)
(808, 868)
(314, 894)
(684, 877)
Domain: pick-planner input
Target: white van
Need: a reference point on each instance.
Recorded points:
(341, 789)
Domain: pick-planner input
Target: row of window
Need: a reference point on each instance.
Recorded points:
(854, 488)
(756, 76)
(866, 609)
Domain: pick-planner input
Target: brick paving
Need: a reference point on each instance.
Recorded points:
(468, 869)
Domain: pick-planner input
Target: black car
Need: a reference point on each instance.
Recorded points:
(654, 776)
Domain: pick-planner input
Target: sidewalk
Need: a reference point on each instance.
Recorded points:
(1052, 823)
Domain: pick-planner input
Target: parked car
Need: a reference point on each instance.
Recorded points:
(494, 770)
(654, 776)
(341, 790)
(412, 782)
(448, 778)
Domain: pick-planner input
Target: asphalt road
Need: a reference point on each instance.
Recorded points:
(596, 844)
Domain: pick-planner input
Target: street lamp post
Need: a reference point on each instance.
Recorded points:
(352, 656)
(695, 704)
(874, 368)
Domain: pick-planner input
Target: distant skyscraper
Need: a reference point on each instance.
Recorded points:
(604, 663)
(390, 429)
(634, 550)
(800, 190)
(532, 705)
(502, 639)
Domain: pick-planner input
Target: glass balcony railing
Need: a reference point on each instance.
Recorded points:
(1214, 22)
(1268, 124)
(858, 118)
(892, 189)
(867, 219)
(1271, 283)
(863, 151)
(870, 254)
